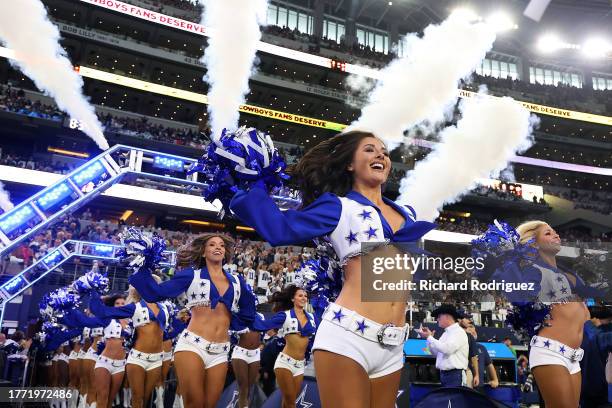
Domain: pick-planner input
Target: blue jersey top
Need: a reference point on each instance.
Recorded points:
(348, 221)
(196, 288)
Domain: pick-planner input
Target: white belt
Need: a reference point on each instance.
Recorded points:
(247, 352)
(291, 361)
(574, 355)
(384, 334)
(203, 344)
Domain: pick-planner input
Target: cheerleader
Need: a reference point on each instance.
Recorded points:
(297, 327)
(245, 358)
(555, 352)
(144, 361)
(93, 330)
(341, 183)
(74, 367)
(110, 367)
(212, 296)
(173, 329)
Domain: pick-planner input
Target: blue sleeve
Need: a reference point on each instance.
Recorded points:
(78, 319)
(61, 337)
(108, 312)
(515, 273)
(585, 291)
(256, 209)
(275, 322)
(152, 291)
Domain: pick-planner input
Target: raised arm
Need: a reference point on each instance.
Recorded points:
(109, 312)
(256, 209)
(152, 291)
(78, 319)
(61, 337)
(275, 322)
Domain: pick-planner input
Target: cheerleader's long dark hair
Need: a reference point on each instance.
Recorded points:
(283, 300)
(324, 168)
(111, 299)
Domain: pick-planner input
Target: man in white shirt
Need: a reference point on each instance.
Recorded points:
(451, 350)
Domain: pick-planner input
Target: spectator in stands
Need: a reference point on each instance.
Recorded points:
(597, 345)
(484, 362)
(508, 343)
(452, 349)
(472, 374)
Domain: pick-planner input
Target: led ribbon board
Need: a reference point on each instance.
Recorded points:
(198, 29)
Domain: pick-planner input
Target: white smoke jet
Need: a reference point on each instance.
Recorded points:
(233, 29)
(423, 85)
(482, 143)
(5, 199)
(25, 28)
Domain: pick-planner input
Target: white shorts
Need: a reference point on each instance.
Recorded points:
(212, 354)
(295, 366)
(167, 356)
(545, 351)
(73, 355)
(249, 356)
(376, 360)
(148, 361)
(110, 365)
(63, 357)
(90, 354)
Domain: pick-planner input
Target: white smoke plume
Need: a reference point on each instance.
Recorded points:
(25, 28)
(5, 199)
(489, 133)
(233, 29)
(423, 85)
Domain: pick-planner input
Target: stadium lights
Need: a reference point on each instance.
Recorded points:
(596, 48)
(466, 13)
(550, 43)
(501, 21)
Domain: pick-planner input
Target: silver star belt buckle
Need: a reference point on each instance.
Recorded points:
(381, 333)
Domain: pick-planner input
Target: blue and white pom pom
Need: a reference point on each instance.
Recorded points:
(91, 281)
(141, 249)
(58, 302)
(236, 161)
(322, 279)
(502, 241)
(527, 318)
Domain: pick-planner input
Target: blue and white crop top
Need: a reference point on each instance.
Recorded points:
(287, 323)
(346, 221)
(113, 330)
(194, 287)
(549, 285)
(139, 312)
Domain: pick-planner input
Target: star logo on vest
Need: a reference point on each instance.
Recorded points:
(338, 315)
(366, 215)
(351, 237)
(371, 232)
